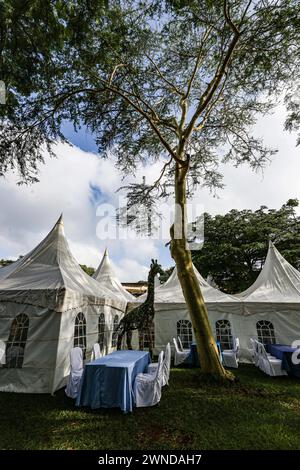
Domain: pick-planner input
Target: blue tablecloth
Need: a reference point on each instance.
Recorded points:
(278, 350)
(284, 353)
(193, 358)
(108, 382)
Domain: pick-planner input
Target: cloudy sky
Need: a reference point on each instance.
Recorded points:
(78, 182)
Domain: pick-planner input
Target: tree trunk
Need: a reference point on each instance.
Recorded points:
(206, 344)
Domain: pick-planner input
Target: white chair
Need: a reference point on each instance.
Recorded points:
(96, 353)
(152, 368)
(179, 342)
(147, 387)
(76, 370)
(180, 346)
(179, 356)
(230, 356)
(253, 351)
(2, 352)
(269, 364)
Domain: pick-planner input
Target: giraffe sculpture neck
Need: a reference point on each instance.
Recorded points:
(150, 294)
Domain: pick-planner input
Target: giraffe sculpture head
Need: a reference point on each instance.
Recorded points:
(155, 268)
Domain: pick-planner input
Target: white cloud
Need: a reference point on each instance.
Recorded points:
(28, 213)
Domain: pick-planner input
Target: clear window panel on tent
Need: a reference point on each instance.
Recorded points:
(265, 332)
(185, 333)
(16, 343)
(80, 333)
(101, 331)
(114, 339)
(223, 334)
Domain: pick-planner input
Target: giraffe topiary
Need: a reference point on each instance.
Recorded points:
(141, 317)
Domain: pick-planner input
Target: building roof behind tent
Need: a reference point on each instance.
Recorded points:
(171, 291)
(51, 266)
(106, 277)
(277, 282)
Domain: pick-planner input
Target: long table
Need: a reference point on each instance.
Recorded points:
(285, 353)
(108, 382)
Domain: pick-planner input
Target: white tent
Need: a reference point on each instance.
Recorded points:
(107, 278)
(42, 296)
(277, 282)
(273, 300)
(172, 316)
(269, 309)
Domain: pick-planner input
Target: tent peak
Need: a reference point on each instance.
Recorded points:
(60, 220)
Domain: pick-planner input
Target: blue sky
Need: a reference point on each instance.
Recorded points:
(78, 180)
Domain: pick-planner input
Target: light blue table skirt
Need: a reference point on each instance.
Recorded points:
(108, 382)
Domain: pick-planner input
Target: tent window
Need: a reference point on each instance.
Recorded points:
(143, 338)
(80, 333)
(114, 339)
(184, 331)
(265, 332)
(223, 334)
(101, 331)
(16, 343)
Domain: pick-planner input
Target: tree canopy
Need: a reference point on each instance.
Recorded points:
(137, 72)
(236, 244)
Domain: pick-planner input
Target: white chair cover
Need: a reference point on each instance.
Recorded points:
(253, 352)
(76, 369)
(152, 368)
(2, 352)
(230, 356)
(179, 342)
(179, 356)
(167, 365)
(96, 351)
(268, 364)
(147, 387)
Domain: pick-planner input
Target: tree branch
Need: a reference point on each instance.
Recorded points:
(171, 85)
(228, 18)
(215, 82)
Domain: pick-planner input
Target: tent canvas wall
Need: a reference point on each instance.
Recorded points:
(48, 287)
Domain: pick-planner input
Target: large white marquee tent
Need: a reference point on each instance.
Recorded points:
(269, 309)
(274, 298)
(46, 299)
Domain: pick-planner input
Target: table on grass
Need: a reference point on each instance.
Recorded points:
(193, 358)
(285, 352)
(108, 382)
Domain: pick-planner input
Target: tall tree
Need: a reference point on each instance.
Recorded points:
(236, 244)
(177, 81)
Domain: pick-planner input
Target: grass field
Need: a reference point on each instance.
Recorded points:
(258, 412)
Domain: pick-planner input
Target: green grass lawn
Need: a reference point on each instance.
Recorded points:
(258, 412)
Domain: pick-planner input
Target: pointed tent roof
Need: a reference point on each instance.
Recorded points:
(277, 282)
(50, 266)
(171, 292)
(107, 278)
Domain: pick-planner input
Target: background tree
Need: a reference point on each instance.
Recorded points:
(87, 269)
(236, 244)
(175, 80)
(5, 262)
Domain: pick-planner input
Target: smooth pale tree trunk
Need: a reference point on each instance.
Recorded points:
(206, 345)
